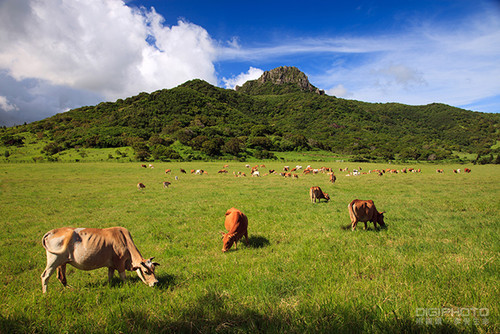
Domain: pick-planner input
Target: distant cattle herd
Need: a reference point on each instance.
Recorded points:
(88, 249)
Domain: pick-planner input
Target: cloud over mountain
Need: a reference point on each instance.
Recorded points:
(101, 48)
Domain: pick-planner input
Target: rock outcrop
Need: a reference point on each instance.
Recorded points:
(287, 79)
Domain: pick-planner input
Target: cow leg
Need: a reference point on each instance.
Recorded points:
(53, 262)
(111, 273)
(354, 224)
(366, 226)
(45, 277)
(61, 274)
(123, 275)
(246, 238)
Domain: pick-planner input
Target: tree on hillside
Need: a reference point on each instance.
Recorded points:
(212, 147)
(233, 146)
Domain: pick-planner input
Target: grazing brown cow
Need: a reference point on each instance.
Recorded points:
(167, 171)
(166, 184)
(467, 170)
(236, 224)
(365, 211)
(317, 194)
(333, 178)
(92, 248)
(144, 166)
(183, 171)
(140, 186)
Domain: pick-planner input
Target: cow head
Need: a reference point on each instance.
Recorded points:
(227, 241)
(327, 197)
(146, 271)
(380, 219)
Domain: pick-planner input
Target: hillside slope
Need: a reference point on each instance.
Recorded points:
(268, 114)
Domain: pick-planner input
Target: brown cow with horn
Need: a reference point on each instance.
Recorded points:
(92, 248)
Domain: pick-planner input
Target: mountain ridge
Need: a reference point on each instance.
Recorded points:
(272, 117)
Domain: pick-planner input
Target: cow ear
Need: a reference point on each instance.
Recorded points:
(156, 264)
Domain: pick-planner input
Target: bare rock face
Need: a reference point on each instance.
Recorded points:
(292, 77)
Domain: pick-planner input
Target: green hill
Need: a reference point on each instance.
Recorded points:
(281, 111)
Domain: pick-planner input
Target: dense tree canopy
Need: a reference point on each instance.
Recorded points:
(218, 121)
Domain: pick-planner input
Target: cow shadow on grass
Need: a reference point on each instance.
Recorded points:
(165, 281)
(257, 241)
(361, 228)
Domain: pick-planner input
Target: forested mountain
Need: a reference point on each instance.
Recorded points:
(278, 112)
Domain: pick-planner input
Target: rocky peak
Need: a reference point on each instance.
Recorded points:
(284, 75)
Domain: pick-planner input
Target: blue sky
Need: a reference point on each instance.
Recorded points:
(58, 54)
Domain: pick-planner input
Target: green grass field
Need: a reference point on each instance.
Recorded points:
(434, 269)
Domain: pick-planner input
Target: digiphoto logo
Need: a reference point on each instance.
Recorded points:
(458, 315)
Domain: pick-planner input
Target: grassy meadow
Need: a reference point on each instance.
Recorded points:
(434, 269)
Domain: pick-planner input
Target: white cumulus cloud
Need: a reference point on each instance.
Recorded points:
(101, 47)
(6, 105)
(252, 74)
(338, 91)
